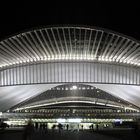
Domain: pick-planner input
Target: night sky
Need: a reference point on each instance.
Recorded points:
(119, 17)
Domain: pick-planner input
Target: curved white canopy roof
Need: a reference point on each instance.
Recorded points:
(13, 95)
(67, 43)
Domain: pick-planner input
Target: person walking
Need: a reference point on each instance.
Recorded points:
(67, 126)
(29, 128)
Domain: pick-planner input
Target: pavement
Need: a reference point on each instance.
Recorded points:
(67, 135)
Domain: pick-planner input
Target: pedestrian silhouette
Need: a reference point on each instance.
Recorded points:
(67, 126)
(28, 131)
(82, 127)
(60, 127)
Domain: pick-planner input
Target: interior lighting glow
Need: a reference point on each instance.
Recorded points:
(129, 108)
(13, 63)
(74, 87)
(118, 120)
(35, 60)
(100, 103)
(42, 58)
(75, 120)
(61, 120)
(124, 61)
(103, 59)
(75, 57)
(38, 58)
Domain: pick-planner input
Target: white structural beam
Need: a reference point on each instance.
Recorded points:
(126, 92)
(13, 95)
(69, 71)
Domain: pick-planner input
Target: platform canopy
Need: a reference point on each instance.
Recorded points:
(75, 95)
(68, 44)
